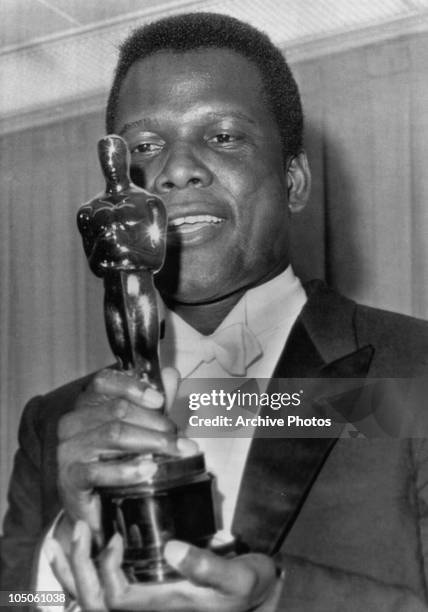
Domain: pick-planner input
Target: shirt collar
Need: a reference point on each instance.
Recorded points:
(263, 309)
(267, 305)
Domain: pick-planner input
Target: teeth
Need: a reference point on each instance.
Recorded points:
(192, 219)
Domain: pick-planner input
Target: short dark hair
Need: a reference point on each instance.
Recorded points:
(193, 31)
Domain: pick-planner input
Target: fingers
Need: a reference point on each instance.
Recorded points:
(112, 411)
(250, 575)
(265, 572)
(118, 436)
(86, 476)
(60, 566)
(114, 383)
(78, 576)
(118, 384)
(213, 583)
(93, 590)
(202, 567)
(89, 591)
(170, 379)
(108, 439)
(187, 447)
(115, 581)
(115, 397)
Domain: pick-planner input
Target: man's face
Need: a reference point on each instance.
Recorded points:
(202, 137)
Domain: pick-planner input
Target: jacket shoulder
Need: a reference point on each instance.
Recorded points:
(400, 340)
(393, 327)
(46, 410)
(340, 325)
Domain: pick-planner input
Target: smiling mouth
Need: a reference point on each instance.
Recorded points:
(192, 223)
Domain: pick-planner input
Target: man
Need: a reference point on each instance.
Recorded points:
(212, 117)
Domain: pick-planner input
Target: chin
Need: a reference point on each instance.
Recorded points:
(184, 293)
(192, 289)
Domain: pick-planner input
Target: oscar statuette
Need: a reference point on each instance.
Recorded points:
(124, 237)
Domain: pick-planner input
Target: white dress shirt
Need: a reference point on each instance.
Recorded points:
(269, 312)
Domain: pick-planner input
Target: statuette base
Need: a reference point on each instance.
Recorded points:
(175, 504)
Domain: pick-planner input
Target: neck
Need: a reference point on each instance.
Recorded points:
(205, 318)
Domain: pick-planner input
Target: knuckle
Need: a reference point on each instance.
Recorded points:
(75, 424)
(98, 381)
(114, 431)
(88, 399)
(165, 440)
(119, 409)
(87, 472)
(203, 567)
(124, 474)
(96, 386)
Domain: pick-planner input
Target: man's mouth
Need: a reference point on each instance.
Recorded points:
(191, 223)
(193, 229)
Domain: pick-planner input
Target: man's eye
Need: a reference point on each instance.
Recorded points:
(223, 138)
(147, 147)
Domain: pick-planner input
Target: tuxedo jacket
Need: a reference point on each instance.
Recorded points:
(346, 518)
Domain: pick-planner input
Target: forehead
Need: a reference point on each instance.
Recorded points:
(207, 76)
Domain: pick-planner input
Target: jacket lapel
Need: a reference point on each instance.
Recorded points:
(279, 472)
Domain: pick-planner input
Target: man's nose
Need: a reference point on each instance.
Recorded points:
(183, 168)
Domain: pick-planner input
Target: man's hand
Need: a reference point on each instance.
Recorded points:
(211, 583)
(103, 442)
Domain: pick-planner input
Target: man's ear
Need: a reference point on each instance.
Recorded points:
(298, 181)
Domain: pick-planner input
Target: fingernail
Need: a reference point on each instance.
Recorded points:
(153, 398)
(146, 470)
(175, 552)
(114, 541)
(187, 447)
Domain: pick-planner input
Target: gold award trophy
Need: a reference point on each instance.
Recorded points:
(124, 237)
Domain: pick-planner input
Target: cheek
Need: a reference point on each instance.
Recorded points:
(248, 177)
(260, 200)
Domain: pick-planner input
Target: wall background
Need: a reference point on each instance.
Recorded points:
(365, 230)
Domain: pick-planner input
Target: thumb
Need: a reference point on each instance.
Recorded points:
(249, 575)
(170, 379)
(202, 567)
